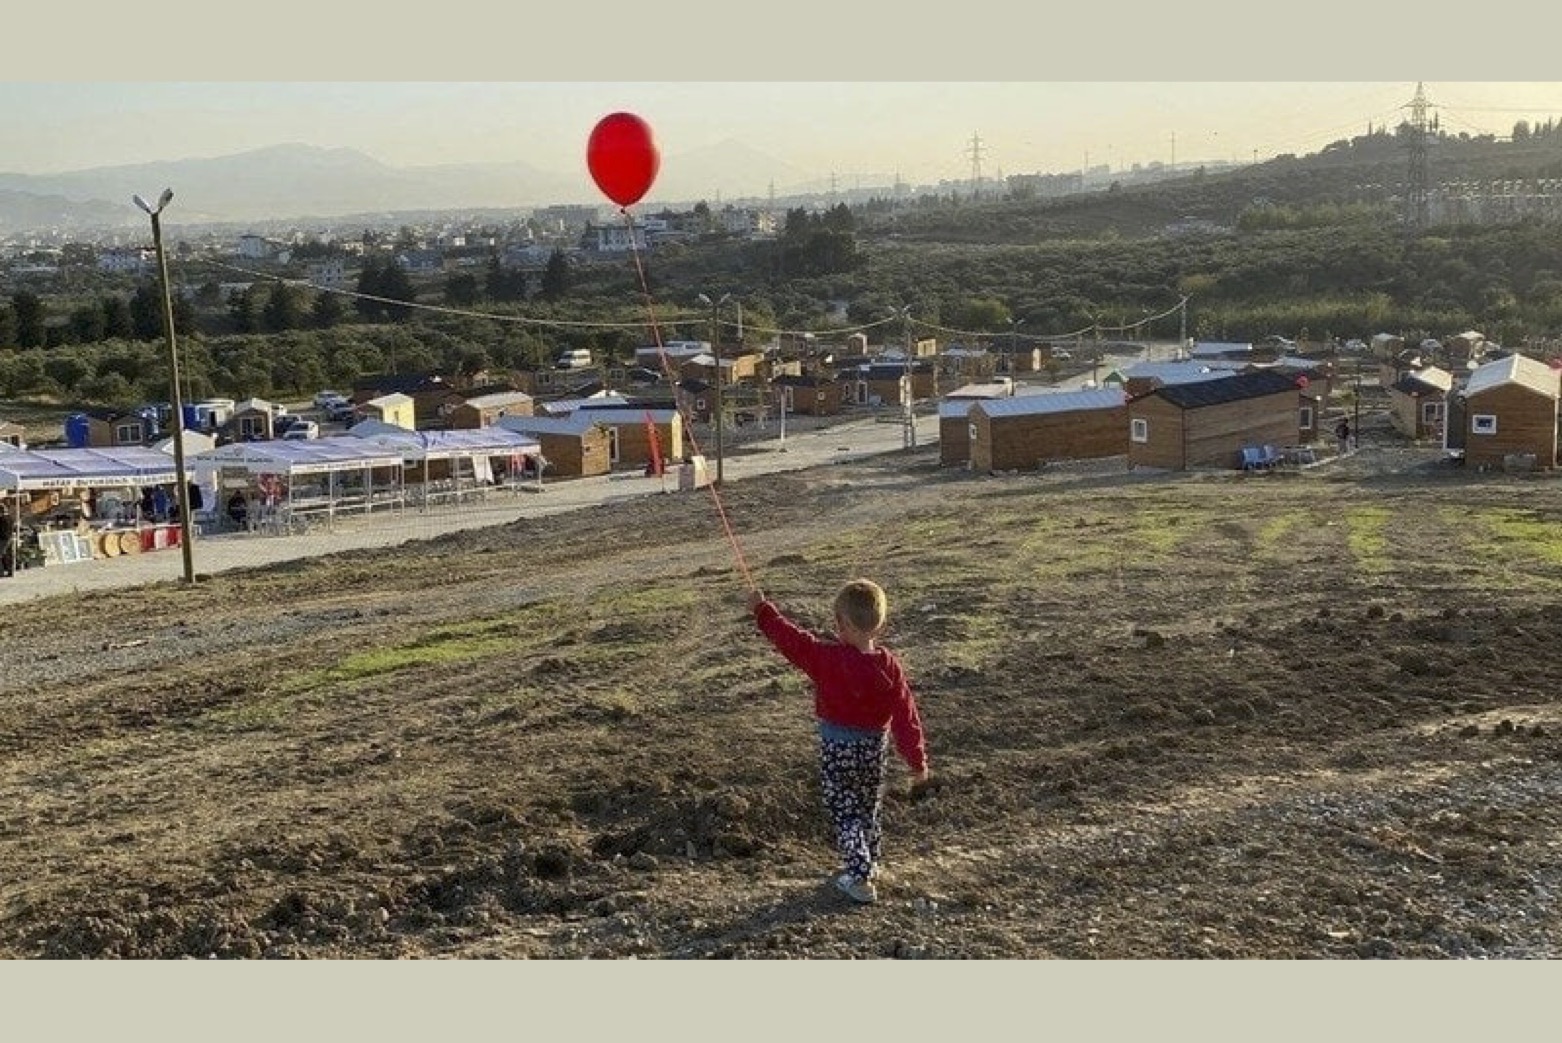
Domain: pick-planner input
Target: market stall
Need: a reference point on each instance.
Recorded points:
(452, 465)
(64, 506)
(283, 486)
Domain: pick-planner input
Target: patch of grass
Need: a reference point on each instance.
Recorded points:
(1366, 533)
(1536, 535)
(463, 642)
(1272, 540)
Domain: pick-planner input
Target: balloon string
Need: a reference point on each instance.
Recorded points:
(667, 370)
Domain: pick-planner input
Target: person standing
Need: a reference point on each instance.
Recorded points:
(1342, 434)
(861, 696)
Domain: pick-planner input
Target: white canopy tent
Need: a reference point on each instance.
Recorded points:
(293, 480)
(476, 447)
(25, 471)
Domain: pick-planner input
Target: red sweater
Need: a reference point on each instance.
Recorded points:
(852, 688)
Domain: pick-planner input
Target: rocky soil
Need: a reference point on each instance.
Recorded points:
(1309, 714)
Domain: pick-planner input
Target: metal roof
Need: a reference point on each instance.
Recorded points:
(1180, 372)
(1232, 389)
(575, 424)
(1052, 402)
(500, 398)
(1514, 369)
(1428, 377)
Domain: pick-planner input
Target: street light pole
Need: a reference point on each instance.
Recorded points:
(715, 343)
(908, 409)
(1182, 329)
(1014, 326)
(181, 484)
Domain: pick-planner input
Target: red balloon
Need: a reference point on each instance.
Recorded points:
(622, 157)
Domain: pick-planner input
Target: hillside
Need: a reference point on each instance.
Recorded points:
(1305, 715)
(1367, 171)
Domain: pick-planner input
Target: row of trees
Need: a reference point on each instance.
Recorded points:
(383, 293)
(1323, 271)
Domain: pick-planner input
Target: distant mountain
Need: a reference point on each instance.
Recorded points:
(26, 211)
(729, 171)
(288, 181)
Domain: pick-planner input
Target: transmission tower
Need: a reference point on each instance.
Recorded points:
(976, 166)
(1416, 190)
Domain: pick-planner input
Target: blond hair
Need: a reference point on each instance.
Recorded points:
(863, 605)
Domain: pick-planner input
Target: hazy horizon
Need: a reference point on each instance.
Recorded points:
(813, 133)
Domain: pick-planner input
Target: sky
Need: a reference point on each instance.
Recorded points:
(866, 132)
(858, 93)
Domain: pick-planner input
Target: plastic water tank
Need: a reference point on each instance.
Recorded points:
(77, 431)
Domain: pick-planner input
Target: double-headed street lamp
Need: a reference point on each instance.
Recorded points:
(715, 343)
(181, 485)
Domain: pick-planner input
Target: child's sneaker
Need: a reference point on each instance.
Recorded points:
(860, 891)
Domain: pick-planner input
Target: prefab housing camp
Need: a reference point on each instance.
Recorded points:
(574, 446)
(485, 410)
(1417, 402)
(954, 419)
(1207, 424)
(630, 429)
(807, 395)
(1009, 434)
(1510, 408)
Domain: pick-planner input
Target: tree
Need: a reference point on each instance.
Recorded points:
(461, 290)
(86, 324)
(116, 319)
(28, 311)
(382, 283)
(555, 278)
(395, 285)
(242, 310)
(504, 284)
(146, 313)
(327, 311)
(283, 310)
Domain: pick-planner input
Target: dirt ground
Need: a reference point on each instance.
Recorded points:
(1297, 715)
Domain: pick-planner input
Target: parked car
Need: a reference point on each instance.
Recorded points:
(1062, 353)
(282, 421)
(341, 412)
(301, 430)
(325, 399)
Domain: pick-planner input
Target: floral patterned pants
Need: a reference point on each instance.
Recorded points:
(852, 779)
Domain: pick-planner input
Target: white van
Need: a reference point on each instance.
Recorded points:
(579, 358)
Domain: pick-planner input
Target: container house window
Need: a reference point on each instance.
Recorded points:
(1483, 424)
(1139, 430)
(1431, 412)
(1306, 418)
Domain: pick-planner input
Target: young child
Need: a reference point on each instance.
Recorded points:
(860, 694)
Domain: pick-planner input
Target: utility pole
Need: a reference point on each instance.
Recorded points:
(908, 413)
(715, 344)
(1416, 187)
(1182, 329)
(976, 166)
(181, 480)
